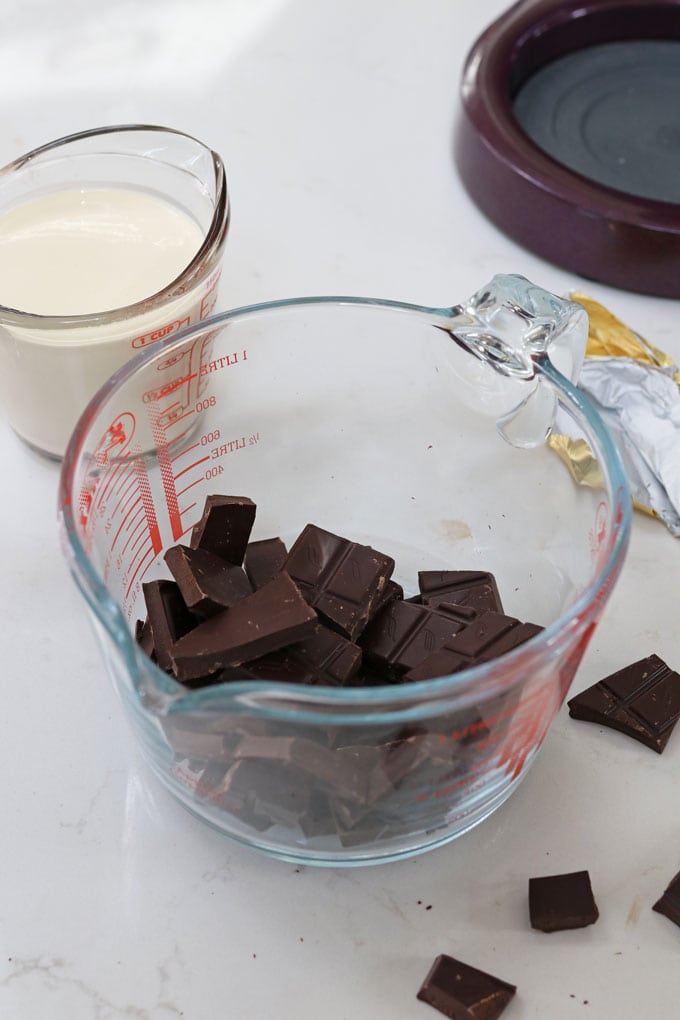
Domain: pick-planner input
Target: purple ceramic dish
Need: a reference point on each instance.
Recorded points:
(576, 196)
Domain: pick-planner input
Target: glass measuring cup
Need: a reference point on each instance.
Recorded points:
(419, 431)
(52, 364)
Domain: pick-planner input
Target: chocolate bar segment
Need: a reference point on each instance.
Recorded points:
(263, 560)
(225, 526)
(344, 581)
(472, 588)
(144, 637)
(561, 902)
(403, 634)
(169, 618)
(669, 904)
(485, 638)
(262, 622)
(208, 583)
(641, 700)
(462, 992)
(326, 659)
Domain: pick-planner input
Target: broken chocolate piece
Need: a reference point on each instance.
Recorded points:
(263, 560)
(342, 580)
(669, 904)
(561, 902)
(325, 658)
(269, 618)
(464, 587)
(485, 638)
(225, 526)
(169, 618)
(208, 583)
(144, 637)
(341, 773)
(403, 634)
(462, 992)
(641, 700)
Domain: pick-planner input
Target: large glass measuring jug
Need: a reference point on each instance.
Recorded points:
(419, 431)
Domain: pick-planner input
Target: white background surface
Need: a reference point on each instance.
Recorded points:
(335, 123)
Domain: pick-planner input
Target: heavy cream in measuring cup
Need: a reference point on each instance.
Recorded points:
(84, 252)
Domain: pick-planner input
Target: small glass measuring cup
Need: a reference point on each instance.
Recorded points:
(419, 431)
(51, 364)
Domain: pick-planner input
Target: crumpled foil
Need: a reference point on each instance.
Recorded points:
(636, 389)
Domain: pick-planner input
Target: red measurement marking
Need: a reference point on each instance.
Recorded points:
(133, 548)
(149, 508)
(124, 494)
(182, 416)
(150, 553)
(117, 535)
(191, 467)
(187, 509)
(183, 453)
(186, 488)
(138, 525)
(111, 476)
(171, 387)
(121, 486)
(127, 505)
(165, 467)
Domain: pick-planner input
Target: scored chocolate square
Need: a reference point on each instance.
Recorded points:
(473, 588)
(344, 581)
(562, 902)
(669, 904)
(641, 700)
(462, 992)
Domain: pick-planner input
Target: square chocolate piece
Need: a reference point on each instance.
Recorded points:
(343, 581)
(669, 904)
(641, 700)
(561, 902)
(462, 992)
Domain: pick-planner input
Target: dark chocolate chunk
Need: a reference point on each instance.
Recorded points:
(464, 587)
(263, 560)
(325, 658)
(485, 638)
(344, 581)
(641, 700)
(560, 902)
(144, 637)
(258, 792)
(207, 582)
(669, 904)
(270, 618)
(403, 634)
(169, 618)
(343, 774)
(462, 992)
(392, 591)
(225, 526)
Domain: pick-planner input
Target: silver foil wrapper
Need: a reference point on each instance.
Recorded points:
(640, 406)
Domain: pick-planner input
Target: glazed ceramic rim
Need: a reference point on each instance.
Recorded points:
(599, 232)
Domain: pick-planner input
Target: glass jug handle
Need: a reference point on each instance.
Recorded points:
(516, 327)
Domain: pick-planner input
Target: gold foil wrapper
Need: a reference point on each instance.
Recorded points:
(583, 466)
(608, 337)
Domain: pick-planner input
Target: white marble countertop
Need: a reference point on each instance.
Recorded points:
(335, 123)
